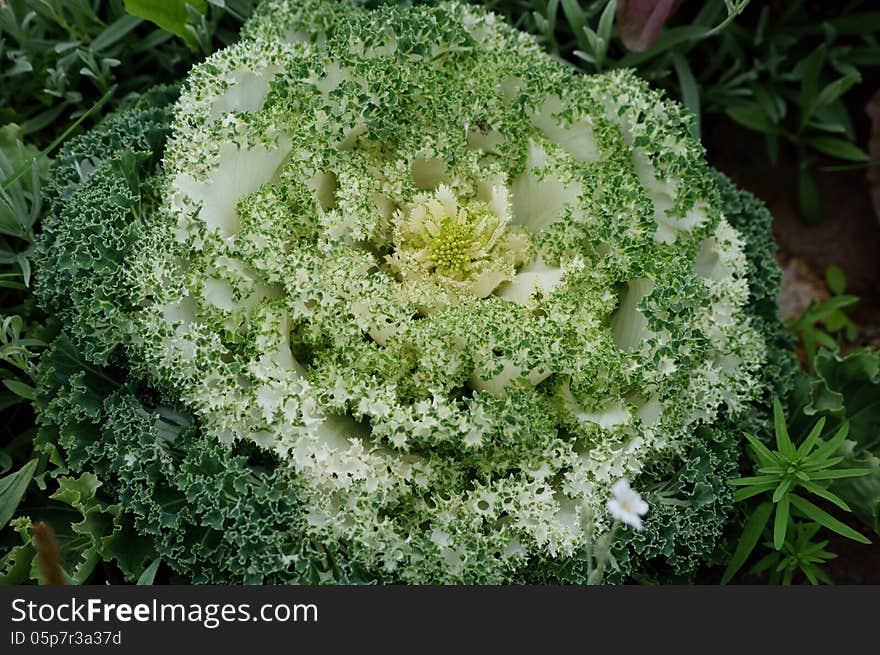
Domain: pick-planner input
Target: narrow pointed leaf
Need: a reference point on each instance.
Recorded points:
(811, 439)
(822, 492)
(760, 479)
(824, 518)
(836, 442)
(751, 534)
(783, 442)
(839, 473)
(748, 492)
(765, 455)
(12, 490)
(780, 523)
(782, 489)
(149, 574)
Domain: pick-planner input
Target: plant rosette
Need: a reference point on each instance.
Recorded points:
(452, 291)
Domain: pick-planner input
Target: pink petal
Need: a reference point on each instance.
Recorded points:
(640, 21)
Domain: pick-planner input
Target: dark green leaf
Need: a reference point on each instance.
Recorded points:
(753, 117)
(780, 523)
(839, 148)
(839, 474)
(690, 91)
(170, 15)
(149, 574)
(751, 534)
(749, 492)
(837, 88)
(835, 278)
(12, 490)
(760, 479)
(764, 454)
(831, 446)
(810, 69)
(20, 389)
(114, 32)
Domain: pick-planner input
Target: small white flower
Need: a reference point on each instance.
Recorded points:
(626, 505)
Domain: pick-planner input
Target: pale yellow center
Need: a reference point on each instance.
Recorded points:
(450, 250)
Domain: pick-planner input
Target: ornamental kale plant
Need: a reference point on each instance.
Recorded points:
(391, 295)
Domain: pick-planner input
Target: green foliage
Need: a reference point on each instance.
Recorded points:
(217, 517)
(138, 482)
(12, 489)
(220, 513)
(114, 160)
(782, 70)
(798, 553)
(171, 15)
(808, 468)
(20, 204)
(817, 326)
(691, 508)
(847, 389)
(64, 54)
(60, 57)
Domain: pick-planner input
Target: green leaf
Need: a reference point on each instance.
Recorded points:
(839, 474)
(690, 91)
(15, 564)
(824, 518)
(837, 88)
(831, 446)
(835, 278)
(780, 523)
(810, 69)
(28, 165)
(782, 489)
(753, 117)
(606, 20)
(170, 15)
(759, 479)
(149, 573)
(114, 32)
(808, 443)
(20, 389)
(770, 559)
(748, 492)
(840, 148)
(765, 455)
(822, 492)
(12, 490)
(783, 442)
(823, 309)
(836, 322)
(751, 534)
(848, 389)
(811, 466)
(574, 14)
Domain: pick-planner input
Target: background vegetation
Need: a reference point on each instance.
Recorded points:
(789, 77)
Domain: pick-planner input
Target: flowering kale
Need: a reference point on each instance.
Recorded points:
(393, 295)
